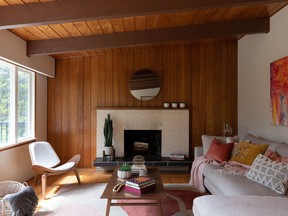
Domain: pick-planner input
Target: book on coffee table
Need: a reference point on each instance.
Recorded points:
(140, 181)
(141, 190)
(140, 187)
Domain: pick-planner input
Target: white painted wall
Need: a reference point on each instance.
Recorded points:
(13, 48)
(15, 163)
(255, 53)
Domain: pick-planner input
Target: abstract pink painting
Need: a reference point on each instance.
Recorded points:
(279, 91)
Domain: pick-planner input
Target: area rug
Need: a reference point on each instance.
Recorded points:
(85, 200)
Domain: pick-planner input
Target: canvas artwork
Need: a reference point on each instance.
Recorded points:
(279, 91)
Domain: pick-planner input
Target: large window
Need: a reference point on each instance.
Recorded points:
(16, 104)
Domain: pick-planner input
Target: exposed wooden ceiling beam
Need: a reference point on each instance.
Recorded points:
(148, 37)
(45, 13)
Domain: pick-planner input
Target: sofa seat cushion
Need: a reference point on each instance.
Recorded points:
(239, 205)
(232, 185)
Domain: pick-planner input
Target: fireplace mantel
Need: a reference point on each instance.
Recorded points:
(174, 124)
(141, 108)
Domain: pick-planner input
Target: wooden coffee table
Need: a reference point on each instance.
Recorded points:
(154, 196)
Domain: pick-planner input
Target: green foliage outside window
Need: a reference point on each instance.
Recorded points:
(5, 101)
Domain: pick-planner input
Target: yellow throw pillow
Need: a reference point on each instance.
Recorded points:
(247, 152)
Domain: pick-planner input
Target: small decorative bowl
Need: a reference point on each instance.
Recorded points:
(182, 105)
(174, 104)
(166, 105)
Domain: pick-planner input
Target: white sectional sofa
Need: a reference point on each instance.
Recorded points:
(224, 184)
(237, 187)
(218, 205)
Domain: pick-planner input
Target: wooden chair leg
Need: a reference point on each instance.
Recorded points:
(44, 183)
(35, 179)
(77, 176)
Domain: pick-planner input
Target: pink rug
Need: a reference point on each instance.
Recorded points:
(178, 202)
(85, 200)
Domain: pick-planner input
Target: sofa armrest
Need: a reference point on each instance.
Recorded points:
(198, 151)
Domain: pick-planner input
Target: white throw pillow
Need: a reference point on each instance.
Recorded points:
(269, 173)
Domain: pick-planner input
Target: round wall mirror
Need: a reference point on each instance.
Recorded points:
(145, 84)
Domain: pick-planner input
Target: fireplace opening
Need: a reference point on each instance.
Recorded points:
(142, 142)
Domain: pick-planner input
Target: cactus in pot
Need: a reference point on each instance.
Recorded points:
(108, 135)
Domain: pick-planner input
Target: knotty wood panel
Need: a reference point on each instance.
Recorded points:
(203, 75)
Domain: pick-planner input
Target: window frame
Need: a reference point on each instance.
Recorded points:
(13, 116)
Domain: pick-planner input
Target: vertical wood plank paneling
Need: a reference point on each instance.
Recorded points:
(123, 82)
(145, 64)
(224, 84)
(209, 81)
(109, 80)
(80, 109)
(203, 75)
(182, 59)
(151, 64)
(137, 66)
(72, 110)
(173, 74)
(188, 76)
(165, 75)
(101, 79)
(95, 94)
(50, 108)
(159, 69)
(201, 97)
(58, 114)
(195, 91)
(216, 88)
(87, 143)
(232, 85)
(65, 108)
(117, 71)
(129, 64)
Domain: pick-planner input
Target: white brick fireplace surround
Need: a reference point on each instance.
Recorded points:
(173, 123)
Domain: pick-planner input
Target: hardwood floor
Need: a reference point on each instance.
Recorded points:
(93, 175)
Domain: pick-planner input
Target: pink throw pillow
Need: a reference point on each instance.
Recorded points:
(219, 151)
(275, 157)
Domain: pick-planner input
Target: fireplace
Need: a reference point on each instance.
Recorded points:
(142, 142)
(173, 124)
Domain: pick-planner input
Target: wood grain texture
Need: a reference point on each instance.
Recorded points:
(85, 10)
(202, 75)
(148, 37)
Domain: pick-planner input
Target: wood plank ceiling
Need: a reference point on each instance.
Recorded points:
(89, 34)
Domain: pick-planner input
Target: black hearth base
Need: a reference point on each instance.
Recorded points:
(163, 162)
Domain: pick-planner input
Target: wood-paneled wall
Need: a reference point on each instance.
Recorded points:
(203, 75)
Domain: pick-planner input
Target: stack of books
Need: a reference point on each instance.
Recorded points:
(139, 185)
(175, 156)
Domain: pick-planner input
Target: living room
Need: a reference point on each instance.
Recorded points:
(67, 97)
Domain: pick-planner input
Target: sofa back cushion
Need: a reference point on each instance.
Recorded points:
(280, 148)
(274, 156)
